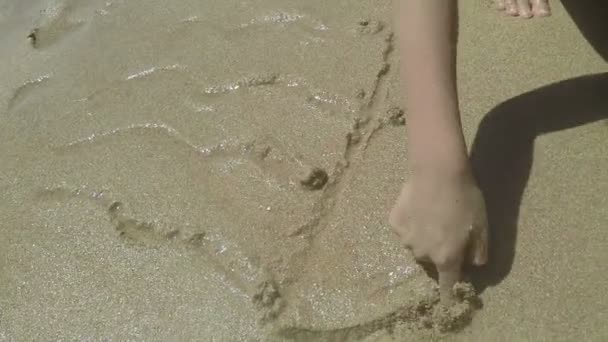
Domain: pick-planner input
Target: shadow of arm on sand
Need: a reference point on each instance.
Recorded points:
(502, 156)
(591, 18)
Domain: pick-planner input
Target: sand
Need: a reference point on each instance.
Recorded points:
(222, 171)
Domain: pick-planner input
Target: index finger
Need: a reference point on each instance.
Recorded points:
(448, 276)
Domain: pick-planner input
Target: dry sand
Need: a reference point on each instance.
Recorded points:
(222, 170)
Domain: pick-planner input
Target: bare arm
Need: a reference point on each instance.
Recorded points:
(440, 208)
(427, 39)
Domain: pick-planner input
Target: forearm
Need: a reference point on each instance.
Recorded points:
(427, 40)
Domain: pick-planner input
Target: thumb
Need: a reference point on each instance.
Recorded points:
(478, 243)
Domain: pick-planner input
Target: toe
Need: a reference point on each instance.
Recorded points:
(523, 8)
(500, 5)
(540, 8)
(511, 7)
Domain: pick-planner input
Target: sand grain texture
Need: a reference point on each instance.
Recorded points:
(223, 171)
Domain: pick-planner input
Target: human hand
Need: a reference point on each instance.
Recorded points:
(441, 217)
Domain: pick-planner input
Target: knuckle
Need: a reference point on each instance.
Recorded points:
(446, 259)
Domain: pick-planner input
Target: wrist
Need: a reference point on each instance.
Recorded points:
(456, 167)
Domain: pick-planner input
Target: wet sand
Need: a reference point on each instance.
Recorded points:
(223, 171)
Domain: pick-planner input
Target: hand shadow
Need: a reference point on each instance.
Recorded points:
(502, 153)
(502, 156)
(591, 18)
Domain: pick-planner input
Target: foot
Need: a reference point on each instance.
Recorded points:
(524, 8)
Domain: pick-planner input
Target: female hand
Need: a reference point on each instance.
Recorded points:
(441, 217)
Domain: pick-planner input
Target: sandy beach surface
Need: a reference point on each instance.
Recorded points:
(223, 171)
